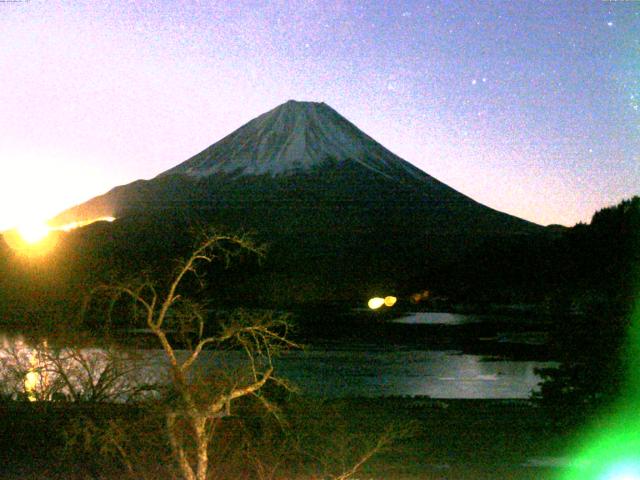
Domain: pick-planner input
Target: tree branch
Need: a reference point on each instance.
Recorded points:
(224, 400)
(196, 351)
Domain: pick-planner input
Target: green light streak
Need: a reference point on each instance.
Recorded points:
(610, 450)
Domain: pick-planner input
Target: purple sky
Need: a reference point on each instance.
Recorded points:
(529, 107)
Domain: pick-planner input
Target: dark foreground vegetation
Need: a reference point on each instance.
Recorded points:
(248, 423)
(459, 439)
(193, 421)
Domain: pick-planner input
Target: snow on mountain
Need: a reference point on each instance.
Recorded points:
(302, 160)
(294, 137)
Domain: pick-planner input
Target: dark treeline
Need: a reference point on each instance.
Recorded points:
(584, 278)
(561, 269)
(564, 269)
(600, 281)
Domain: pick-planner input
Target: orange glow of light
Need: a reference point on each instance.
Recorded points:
(31, 238)
(377, 302)
(390, 301)
(82, 223)
(420, 296)
(38, 238)
(33, 232)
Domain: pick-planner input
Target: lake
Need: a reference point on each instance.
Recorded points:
(440, 318)
(348, 367)
(438, 374)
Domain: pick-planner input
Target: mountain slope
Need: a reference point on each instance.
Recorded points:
(295, 148)
(336, 207)
(292, 138)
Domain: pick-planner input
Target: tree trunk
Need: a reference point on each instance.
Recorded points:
(178, 450)
(200, 427)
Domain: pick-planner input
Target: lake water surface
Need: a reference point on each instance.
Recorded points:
(348, 368)
(439, 318)
(439, 374)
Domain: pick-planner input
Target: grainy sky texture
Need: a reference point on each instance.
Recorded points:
(530, 107)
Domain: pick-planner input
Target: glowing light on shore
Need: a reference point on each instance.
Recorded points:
(390, 301)
(420, 296)
(31, 381)
(375, 303)
(35, 382)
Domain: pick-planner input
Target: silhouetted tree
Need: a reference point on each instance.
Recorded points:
(197, 402)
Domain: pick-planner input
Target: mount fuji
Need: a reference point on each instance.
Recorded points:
(334, 206)
(290, 139)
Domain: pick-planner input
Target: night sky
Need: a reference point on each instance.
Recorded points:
(529, 107)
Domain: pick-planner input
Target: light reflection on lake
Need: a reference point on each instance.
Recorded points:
(438, 318)
(439, 374)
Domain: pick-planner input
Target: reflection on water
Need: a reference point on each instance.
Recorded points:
(42, 372)
(439, 374)
(437, 318)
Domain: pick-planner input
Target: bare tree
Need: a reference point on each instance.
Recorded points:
(334, 442)
(199, 401)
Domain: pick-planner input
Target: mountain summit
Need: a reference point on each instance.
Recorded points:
(292, 138)
(337, 209)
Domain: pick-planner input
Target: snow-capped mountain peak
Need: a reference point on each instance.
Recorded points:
(292, 138)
